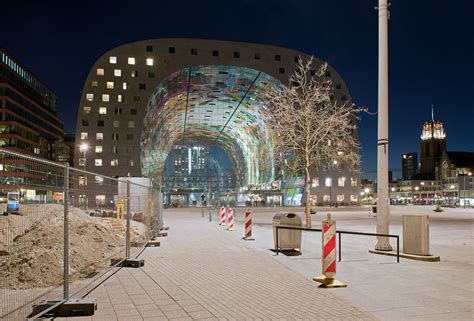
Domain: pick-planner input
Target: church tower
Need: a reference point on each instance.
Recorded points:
(432, 146)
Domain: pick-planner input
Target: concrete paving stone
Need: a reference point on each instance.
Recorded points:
(104, 317)
(130, 318)
(152, 313)
(146, 307)
(196, 315)
(141, 300)
(193, 308)
(127, 312)
(162, 318)
(161, 302)
(186, 302)
(170, 307)
(175, 314)
(182, 319)
(123, 306)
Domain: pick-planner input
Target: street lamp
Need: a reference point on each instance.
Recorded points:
(83, 148)
(464, 185)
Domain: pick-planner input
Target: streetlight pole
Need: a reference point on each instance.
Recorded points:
(383, 209)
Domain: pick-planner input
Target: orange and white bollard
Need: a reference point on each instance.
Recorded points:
(223, 216)
(248, 226)
(230, 219)
(329, 255)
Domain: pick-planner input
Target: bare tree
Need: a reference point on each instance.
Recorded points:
(312, 129)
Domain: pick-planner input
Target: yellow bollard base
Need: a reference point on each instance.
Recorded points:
(329, 282)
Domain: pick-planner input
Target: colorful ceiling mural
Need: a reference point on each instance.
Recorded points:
(221, 105)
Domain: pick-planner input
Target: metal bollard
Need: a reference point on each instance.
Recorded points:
(210, 217)
(230, 219)
(329, 255)
(248, 226)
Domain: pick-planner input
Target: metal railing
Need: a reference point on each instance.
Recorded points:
(69, 225)
(339, 232)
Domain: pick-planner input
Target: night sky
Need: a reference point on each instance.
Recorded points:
(431, 51)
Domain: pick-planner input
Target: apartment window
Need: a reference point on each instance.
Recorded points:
(236, 54)
(98, 149)
(328, 74)
(124, 86)
(130, 162)
(338, 86)
(114, 162)
(90, 97)
(118, 111)
(194, 51)
(86, 110)
(151, 74)
(82, 179)
(102, 110)
(116, 123)
(129, 149)
(277, 57)
(312, 72)
(131, 124)
(131, 60)
(281, 70)
(215, 53)
(120, 98)
(341, 181)
(118, 72)
(99, 180)
(94, 83)
(85, 122)
(340, 198)
(171, 50)
(136, 99)
(114, 150)
(328, 182)
(149, 48)
(149, 61)
(296, 59)
(110, 85)
(343, 98)
(134, 74)
(315, 182)
(114, 136)
(105, 97)
(133, 111)
(100, 71)
(113, 59)
(98, 162)
(100, 123)
(353, 181)
(129, 136)
(142, 86)
(326, 198)
(84, 135)
(99, 136)
(257, 56)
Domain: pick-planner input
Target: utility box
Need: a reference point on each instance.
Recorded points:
(287, 239)
(416, 234)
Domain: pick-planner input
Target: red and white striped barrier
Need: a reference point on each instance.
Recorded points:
(223, 216)
(248, 226)
(329, 255)
(230, 219)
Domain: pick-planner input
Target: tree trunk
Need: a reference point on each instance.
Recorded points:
(307, 191)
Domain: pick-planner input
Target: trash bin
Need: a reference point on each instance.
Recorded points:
(287, 239)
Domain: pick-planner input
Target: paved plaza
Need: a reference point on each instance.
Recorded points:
(204, 272)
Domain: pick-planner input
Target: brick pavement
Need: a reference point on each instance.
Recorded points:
(202, 272)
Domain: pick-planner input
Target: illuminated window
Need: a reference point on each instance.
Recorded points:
(131, 60)
(113, 59)
(328, 182)
(118, 111)
(94, 83)
(131, 163)
(114, 150)
(134, 74)
(100, 71)
(118, 72)
(315, 182)
(131, 124)
(353, 181)
(119, 98)
(114, 136)
(326, 198)
(90, 97)
(102, 110)
(86, 110)
(110, 85)
(99, 136)
(149, 61)
(124, 86)
(114, 162)
(98, 149)
(116, 123)
(84, 135)
(341, 181)
(82, 180)
(340, 198)
(99, 180)
(105, 97)
(354, 198)
(98, 162)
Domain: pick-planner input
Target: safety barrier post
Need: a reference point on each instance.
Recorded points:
(223, 216)
(230, 219)
(329, 255)
(128, 214)
(66, 234)
(248, 226)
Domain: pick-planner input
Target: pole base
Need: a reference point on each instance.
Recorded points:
(162, 234)
(248, 238)
(153, 243)
(329, 282)
(70, 308)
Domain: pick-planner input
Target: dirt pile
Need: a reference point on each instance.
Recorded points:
(31, 246)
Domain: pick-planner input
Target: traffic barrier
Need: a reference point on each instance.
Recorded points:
(223, 216)
(230, 219)
(248, 226)
(329, 255)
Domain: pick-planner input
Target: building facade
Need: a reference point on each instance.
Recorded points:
(432, 146)
(409, 165)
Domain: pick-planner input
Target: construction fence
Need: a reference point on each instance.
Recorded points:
(63, 226)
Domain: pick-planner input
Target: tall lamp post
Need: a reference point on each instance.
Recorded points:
(383, 243)
(464, 185)
(83, 148)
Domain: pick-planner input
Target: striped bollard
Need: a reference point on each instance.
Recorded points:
(329, 255)
(230, 219)
(248, 226)
(223, 216)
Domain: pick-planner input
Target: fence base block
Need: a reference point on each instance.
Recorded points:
(248, 238)
(70, 308)
(127, 263)
(329, 282)
(165, 228)
(162, 234)
(153, 243)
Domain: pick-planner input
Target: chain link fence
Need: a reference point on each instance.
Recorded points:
(41, 258)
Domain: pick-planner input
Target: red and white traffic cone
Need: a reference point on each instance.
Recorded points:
(248, 226)
(223, 216)
(329, 255)
(230, 219)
